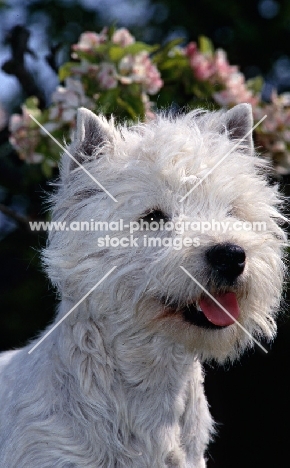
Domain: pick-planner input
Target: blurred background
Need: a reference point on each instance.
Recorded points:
(249, 400)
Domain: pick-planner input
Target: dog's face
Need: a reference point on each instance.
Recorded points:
(189, 194)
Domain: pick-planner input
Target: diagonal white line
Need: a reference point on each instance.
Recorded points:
(74, 159)
(71, 310)
(225, 310)
(221, 160)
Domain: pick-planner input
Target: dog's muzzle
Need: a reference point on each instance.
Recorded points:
(220, 307)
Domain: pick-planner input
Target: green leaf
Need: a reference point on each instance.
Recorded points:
(165, 50)
(111, 30)
(107, 101)
(255, 84)
(32, 103)
(203, 90)
(129, 108)
(99, 51)
(178, 62)
(116, 53)
(65, 70)
(138, 47)
(46, 169)
(205, 45)
(132, 101)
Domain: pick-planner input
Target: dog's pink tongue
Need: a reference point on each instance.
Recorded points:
(215, 314)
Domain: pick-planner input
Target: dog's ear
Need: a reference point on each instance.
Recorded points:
(91, 133)
(238, 123)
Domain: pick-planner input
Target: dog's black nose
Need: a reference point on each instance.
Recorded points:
(227, 259)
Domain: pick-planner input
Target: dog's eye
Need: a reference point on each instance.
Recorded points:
(230, 213)
(155, 216)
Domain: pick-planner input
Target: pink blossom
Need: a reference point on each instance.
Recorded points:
(16, 122)
(191, 49)
(235, 91)
(273, 134)
(66, 100)
(201, 64)
(278, 114)
(84, 68)
(107, 75)
(148, 105)
(126, 65)
(122, 37)
(89, 41)
(216, 69)
(25, 136)
(139, 69)
(221, 65)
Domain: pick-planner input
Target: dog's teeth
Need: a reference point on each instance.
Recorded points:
(198, 306)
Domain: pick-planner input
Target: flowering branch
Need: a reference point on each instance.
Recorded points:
(112, 73)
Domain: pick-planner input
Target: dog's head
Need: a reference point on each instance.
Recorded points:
(184, 212)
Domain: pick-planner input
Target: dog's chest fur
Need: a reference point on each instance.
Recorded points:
(105, 414)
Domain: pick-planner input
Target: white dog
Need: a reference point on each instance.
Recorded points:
(118, 383)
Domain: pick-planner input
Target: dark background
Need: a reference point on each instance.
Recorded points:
(249, 400)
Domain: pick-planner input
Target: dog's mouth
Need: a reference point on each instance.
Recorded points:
(218, 311)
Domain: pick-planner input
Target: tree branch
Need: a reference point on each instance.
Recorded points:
(21, 220)
(18, 41)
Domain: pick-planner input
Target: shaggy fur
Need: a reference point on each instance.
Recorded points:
(119, 382)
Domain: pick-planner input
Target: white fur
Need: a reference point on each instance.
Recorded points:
(119, 383)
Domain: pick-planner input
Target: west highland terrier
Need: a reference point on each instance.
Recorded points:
(176, 275)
